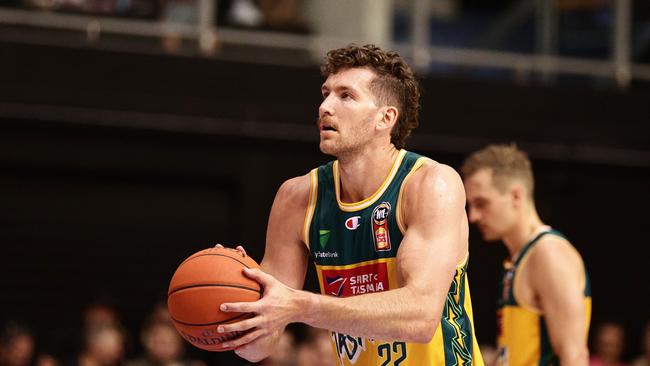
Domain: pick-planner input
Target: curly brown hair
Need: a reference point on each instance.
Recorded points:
(395, 83)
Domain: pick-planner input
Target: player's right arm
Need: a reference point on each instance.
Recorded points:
(558, 281)
(285, 256)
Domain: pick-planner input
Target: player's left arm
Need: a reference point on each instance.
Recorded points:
(434, 242)
(558, 281)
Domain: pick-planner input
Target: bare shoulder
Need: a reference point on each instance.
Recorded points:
(434, 198)
(295, 191)
(554, 254)
(437, 179)
(553, 249)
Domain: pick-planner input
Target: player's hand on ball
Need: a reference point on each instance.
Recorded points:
(277, 308)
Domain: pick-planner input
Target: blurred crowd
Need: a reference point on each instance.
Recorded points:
(104, 341)
(270, 15)
(265, 14)
(607, 347)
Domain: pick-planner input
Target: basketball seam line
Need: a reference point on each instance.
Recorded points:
(213, 323)
(219, 255)
(213, 285)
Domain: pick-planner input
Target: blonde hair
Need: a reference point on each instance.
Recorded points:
(507, 163)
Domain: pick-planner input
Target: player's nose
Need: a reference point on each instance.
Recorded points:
(325, 108)
(473, 215)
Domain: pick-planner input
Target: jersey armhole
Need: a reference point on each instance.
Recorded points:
(399, 218)
(522, 263)
(311, 206)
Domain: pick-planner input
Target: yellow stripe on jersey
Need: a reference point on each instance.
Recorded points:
(391, 261)
(311, 205)
(356, 206)
(399, 218)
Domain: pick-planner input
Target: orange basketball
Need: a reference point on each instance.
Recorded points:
(200, 285)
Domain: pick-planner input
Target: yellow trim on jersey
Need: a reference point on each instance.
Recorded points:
(356, 206)
(399, 218)
(359, 264)
(311, 205)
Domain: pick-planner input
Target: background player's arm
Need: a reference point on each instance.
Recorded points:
(435, 240)
(285, 256)
(558, 282)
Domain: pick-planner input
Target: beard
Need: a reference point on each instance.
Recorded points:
(344, 142)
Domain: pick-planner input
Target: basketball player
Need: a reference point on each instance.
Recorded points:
(386, 228)
(545, 303)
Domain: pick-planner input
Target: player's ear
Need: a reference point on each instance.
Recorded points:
(388, 117)
(518, 194)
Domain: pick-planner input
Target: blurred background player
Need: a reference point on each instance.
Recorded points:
(608, 345)
(162, 344)
(16, 345)
(103, 346)
(544, 303)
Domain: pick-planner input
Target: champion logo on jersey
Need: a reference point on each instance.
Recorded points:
(353, 222)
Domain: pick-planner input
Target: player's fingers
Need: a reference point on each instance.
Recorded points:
(218, 246)
(239, 326)
(241, 249)
(249, 337)
(239, 307)
(258, 275)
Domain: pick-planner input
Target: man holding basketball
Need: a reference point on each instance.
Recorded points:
(545, 301)
(386, 228)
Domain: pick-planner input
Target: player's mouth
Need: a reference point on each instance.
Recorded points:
(327, 127)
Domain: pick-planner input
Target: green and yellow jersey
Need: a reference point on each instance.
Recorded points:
(523, 338)
(354, 246)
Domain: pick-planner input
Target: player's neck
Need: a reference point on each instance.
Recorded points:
(364, 172)
(522, 233)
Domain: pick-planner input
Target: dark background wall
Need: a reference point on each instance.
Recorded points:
(114, 167)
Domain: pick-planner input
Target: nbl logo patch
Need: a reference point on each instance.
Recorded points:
(380, 233)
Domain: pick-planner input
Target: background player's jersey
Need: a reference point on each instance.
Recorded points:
(354, 247)
(522, 334)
